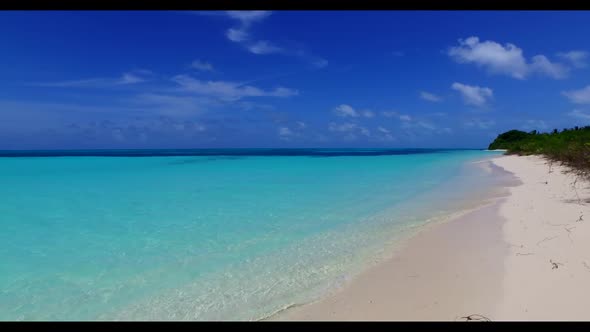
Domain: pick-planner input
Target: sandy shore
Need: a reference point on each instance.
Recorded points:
(525, 257)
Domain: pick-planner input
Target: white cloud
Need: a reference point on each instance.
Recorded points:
(505, 59)
(351, 130)
(241, 34)
(579, 114)
(346, 111)
(288, 133)
(576, 58)
(420, 127)
(473, 95)
(581, 96)
(246, 17)
(229, 90)
(263, 47)
(134, 76)
(364, 131)
(426, 125)
(385, 134)
(482, 124)
(389, 114)
(285, 133)
(319, 62)
(430, 96)
(236, 35)
(394, 114)
(128, 78)
(383, 130)
(202, 65)
(542, 65)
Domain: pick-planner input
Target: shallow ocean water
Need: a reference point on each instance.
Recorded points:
(212, 234)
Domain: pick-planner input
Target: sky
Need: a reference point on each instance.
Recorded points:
(288, 79)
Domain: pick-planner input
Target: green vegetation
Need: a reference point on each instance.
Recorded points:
(571, 147)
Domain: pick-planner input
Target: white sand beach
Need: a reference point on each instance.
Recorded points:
(525, 257)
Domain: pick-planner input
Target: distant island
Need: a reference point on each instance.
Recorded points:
(570, 147)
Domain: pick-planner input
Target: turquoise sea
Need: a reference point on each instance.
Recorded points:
(211, 234)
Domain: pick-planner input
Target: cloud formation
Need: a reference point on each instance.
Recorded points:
(473, 95)
(263, 47)
(576, 58)
(541, 64)
(285, 133)
(288, 133)
(430, 97)
(389, 114)
(241, 34)
(127, 78)
(226, 90)
(479, 123)
(345, 110)
(350, 130)
(385, 134)
(581, 96)
(202, 65)
(394, 114)
(579, 114)
(421, 126)
(505, 59)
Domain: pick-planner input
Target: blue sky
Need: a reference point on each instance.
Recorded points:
(88, 80)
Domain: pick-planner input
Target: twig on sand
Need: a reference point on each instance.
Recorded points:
(556, 224)
(546, 239)
(476, 318)
(569, 232)
(525, 254)
(555, 265)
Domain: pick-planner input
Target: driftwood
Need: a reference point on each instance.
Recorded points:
(476, 318)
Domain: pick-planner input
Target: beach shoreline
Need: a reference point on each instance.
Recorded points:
(476, 264)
